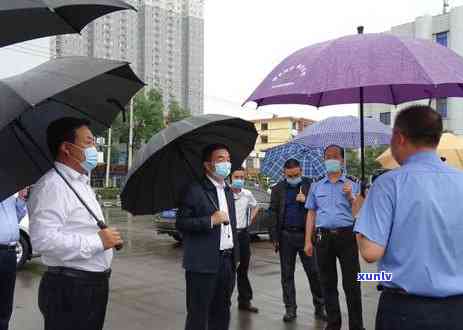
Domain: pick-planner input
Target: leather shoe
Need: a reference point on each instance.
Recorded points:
(290, 316)
(248, 307)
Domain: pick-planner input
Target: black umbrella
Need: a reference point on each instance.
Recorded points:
(172, 159)
(22, 20)
(82, 87)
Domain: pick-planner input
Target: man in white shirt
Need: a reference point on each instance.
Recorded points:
(73, 292)
(207, 221)
(246, 211)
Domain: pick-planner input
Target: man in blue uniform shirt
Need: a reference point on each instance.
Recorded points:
(332, 203)
(12, 210)
(412, 223)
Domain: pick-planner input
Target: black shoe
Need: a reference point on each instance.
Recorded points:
(320, 314)
(248, 307)
(290, 316)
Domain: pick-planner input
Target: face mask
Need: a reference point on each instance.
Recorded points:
(294, 181)
(332, 165)
(223, 169)
(91, 158)
(237, 184)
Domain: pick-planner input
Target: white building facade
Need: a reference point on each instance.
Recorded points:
(447, 30)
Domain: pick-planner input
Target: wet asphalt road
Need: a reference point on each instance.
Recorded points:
(148, 287)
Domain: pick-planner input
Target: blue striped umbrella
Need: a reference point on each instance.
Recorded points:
(344, 131)
(311, 159)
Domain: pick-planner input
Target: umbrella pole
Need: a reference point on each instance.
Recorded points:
(362, 143)
(100, 223)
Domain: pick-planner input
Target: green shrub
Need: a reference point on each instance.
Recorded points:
(108, 193)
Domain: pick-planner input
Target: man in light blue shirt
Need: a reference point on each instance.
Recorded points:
(12, 210)
(331, 207)
(412, 223)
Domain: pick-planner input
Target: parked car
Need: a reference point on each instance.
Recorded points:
(24, 246)
(165, 222)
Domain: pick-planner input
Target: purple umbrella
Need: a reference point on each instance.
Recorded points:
(364, 68)
(345, 132)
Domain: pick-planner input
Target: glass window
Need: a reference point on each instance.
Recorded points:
(264, 127)
(294, 125)
(442, 38)
(385, 118)
(441, 106)
(264, 139)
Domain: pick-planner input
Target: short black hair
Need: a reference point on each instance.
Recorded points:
(341, 149)
(241, 168)
(209, 150)
(421, 124)
(292, 163)
(63, 130)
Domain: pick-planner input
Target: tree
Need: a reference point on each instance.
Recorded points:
(353, 161)
(176, 112)
(148, 118)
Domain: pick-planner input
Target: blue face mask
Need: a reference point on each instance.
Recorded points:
(294, 181)
(237, 184)
(333, 165)
(91, 159)
(223, 169)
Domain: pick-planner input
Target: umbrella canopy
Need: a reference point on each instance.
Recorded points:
(82, 87)
(310, 158)
(22, 20)
(345, 132)
(368, 68)
(450, 147)
(363, 68)
(171, 160)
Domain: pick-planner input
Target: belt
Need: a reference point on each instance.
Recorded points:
(386, 289)
(241, 230)
(10, 248)
(226, 253)
(335, 231)
(294, 229)
(80, 274)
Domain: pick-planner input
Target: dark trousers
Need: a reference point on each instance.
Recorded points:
(244, 286)
(402, 312)
(69, 303)
(342, 246)
(208, 297)
(7, 283)
(292, 244)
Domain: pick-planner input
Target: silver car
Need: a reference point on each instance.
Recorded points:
(23, 247)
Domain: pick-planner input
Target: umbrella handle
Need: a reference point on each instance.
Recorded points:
(104, 226)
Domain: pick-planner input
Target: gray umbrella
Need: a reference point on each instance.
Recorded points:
(81, 87)
(22, 20)
(172, 159)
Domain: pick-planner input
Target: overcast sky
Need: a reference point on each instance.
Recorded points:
(245, 39)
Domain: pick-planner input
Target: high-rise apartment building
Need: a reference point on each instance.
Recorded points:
(164, 41)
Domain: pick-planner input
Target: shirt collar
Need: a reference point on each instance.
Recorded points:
(71, 173)
(423, 156)
(216, 183)
(342, 178)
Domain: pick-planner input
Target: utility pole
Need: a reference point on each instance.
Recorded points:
(108, 158)
(129, 161)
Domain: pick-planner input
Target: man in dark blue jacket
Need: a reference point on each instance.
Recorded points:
(207, 221)
(288, 236)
